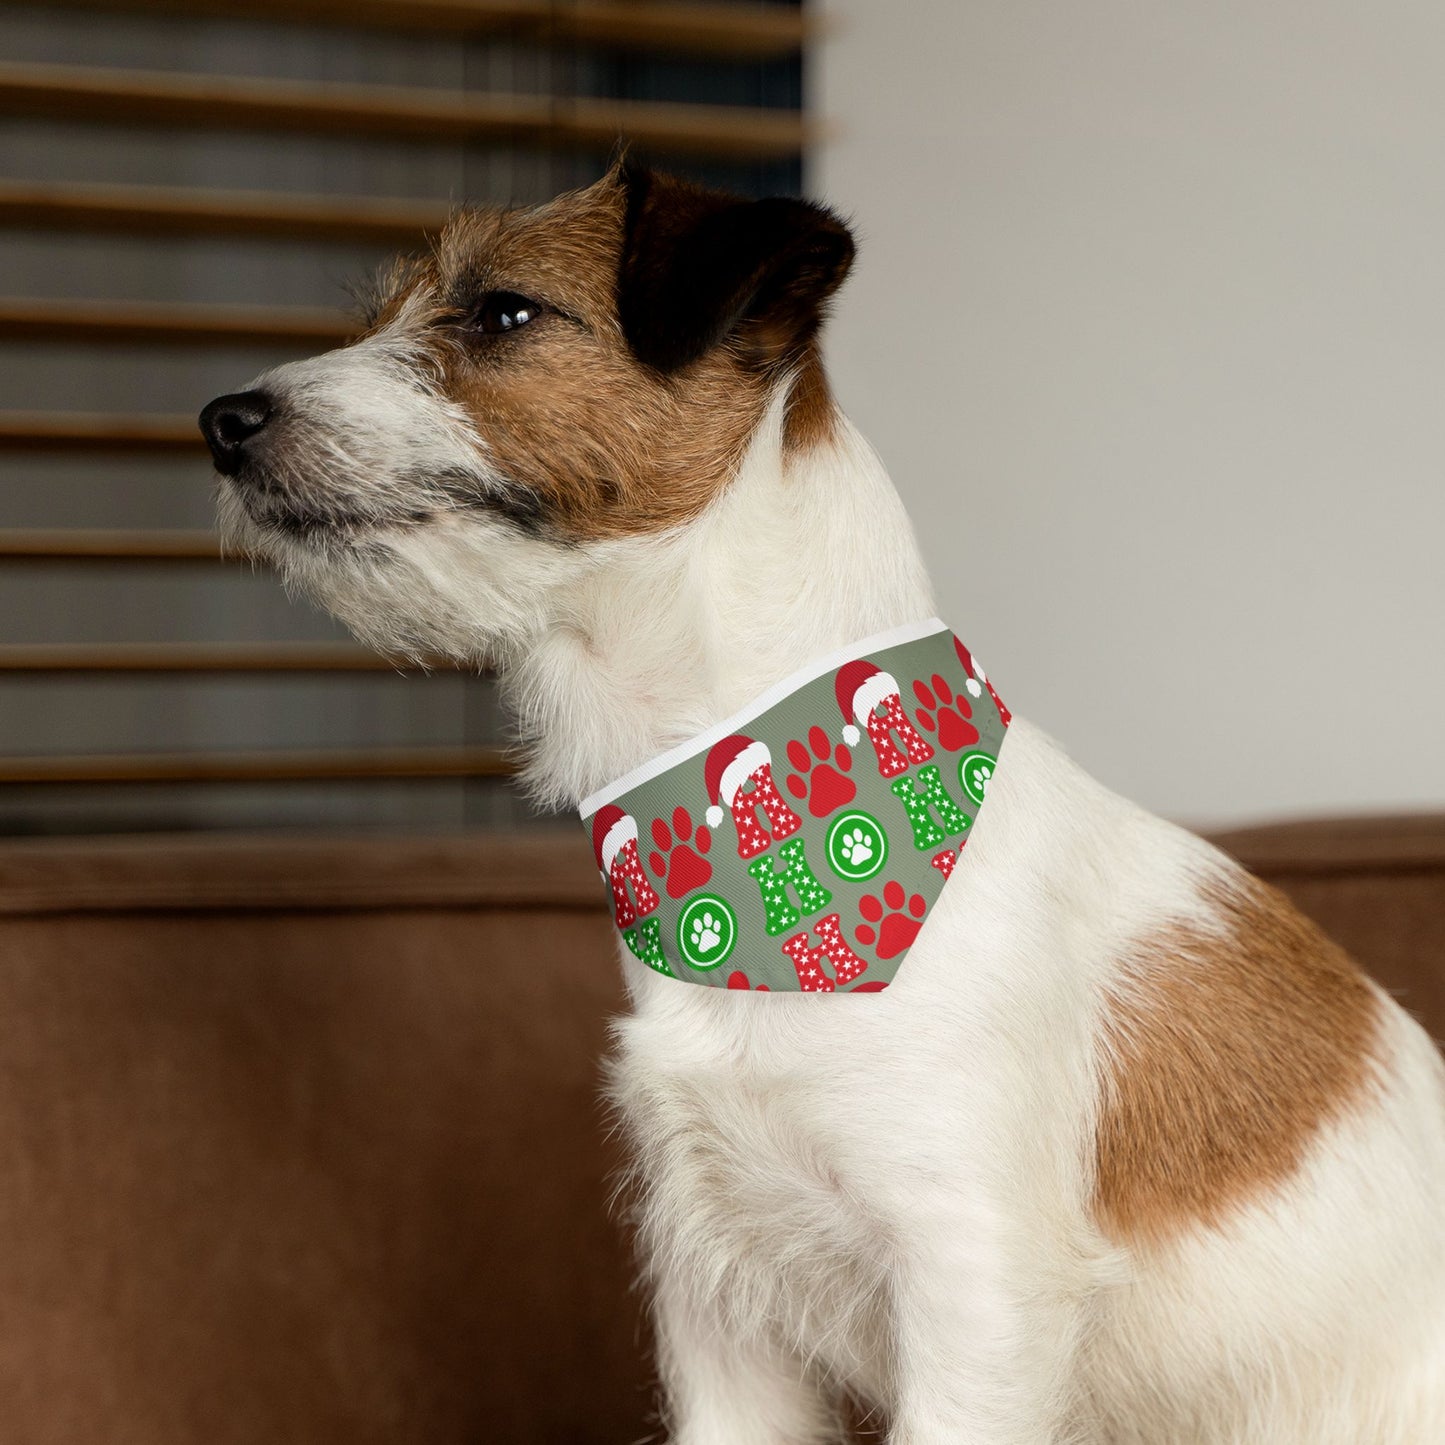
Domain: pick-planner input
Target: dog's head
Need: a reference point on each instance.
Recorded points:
(545, 383)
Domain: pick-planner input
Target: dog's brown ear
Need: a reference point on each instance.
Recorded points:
(699, 266)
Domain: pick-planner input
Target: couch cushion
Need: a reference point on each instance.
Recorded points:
(302, 1143)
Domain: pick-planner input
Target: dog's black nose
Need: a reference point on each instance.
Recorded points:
(229, 422)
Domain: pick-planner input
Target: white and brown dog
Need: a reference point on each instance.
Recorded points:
(1129, 1152)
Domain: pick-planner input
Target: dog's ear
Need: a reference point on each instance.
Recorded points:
(700, 266)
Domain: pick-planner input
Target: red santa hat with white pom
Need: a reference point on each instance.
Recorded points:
(861, 689)
(612, 831)
(730, 763)
(977, 675)
(974, 672)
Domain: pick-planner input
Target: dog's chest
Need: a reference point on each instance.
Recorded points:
(755, 1180)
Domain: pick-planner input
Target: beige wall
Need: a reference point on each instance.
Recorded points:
(1149, 324)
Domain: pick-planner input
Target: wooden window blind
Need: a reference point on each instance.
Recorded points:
(185, 188)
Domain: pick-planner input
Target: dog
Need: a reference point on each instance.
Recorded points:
(1128, 1152)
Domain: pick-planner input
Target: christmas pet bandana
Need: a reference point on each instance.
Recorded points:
(798, 846)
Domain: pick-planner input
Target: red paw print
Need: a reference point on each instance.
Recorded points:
(738, 979)
(954, 729)
(896, 930)
(819, 779)
(680, 862)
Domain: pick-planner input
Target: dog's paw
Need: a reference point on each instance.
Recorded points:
(678, 858)
(939, 708)
(819, 777)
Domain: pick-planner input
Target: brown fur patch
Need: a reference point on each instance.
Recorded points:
(812, 416)
(601, 444)
(1226, 1054)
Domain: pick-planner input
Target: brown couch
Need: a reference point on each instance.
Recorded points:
(302, 1141)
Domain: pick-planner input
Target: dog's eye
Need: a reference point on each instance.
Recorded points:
(504, 311)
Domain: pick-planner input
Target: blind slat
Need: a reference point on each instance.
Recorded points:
(84, 431)
(219, 102)
(188, 657)
(272, 766)
(172, 211)
(89, 544)
(708, 28)
(171, 323)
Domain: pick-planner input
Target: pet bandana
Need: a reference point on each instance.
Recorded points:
(798, 846)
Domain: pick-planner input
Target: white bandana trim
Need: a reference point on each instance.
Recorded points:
(894, 637)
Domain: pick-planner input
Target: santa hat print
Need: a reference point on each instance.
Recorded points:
(612, 831)
(861, 688)
(729, 765)
(977, 675)
(974, 671)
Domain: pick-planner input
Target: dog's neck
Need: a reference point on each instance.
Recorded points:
(803, 553)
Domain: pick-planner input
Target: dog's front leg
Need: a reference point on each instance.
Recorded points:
(721, 1387)
(985, 1337)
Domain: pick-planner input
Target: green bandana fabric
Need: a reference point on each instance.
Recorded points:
(798, 846)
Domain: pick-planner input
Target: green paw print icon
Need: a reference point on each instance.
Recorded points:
(857, 846)
(707, 931)
(974, 771)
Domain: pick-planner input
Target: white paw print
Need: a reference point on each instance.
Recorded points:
(706, 933)
(855, 849)
(981, 775)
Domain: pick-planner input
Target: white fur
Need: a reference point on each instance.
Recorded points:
(890, 1194)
